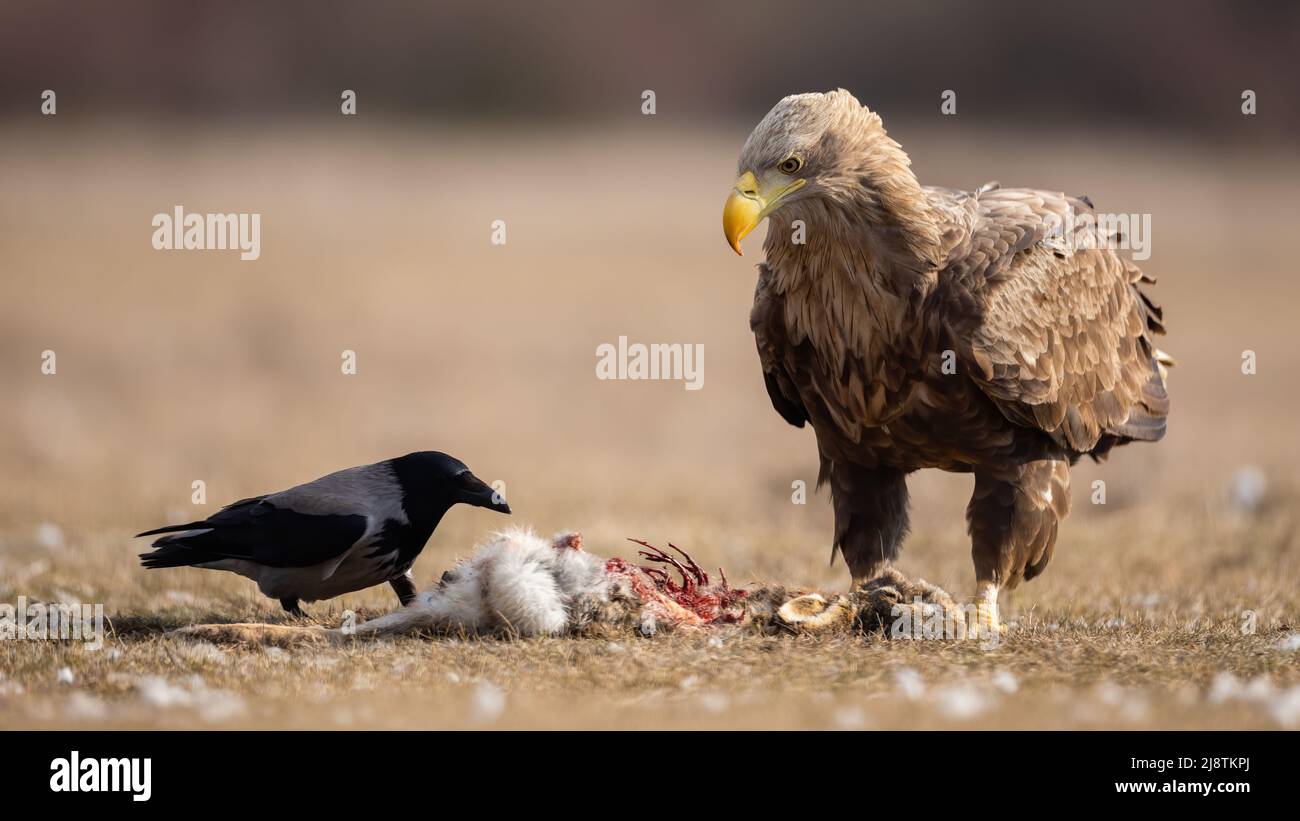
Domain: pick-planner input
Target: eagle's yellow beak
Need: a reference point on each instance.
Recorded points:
(747, 206)
(742, 211)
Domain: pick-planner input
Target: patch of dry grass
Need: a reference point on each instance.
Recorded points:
(1156, 675)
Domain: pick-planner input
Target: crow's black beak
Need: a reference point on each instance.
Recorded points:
(475, 492)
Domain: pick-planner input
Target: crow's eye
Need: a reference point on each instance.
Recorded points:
(468, 481)
(790, 165)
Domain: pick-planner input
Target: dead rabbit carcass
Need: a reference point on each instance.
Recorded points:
(519, 584)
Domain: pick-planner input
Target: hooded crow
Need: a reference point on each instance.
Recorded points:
(340, 533)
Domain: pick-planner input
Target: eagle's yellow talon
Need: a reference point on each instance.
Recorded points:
(985, 620)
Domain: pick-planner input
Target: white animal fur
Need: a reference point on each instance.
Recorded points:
(515, 582)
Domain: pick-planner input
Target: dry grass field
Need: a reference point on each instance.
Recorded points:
(178, 366)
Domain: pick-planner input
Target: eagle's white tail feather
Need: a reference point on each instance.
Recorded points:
(1163, 363)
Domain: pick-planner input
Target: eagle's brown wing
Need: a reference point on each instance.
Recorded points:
(1056, 333)
(765, 321)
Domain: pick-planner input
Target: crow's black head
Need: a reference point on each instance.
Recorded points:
(429, 477)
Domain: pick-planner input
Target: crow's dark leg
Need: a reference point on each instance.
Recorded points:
(291, 607)
(404, 587)
(870, 516)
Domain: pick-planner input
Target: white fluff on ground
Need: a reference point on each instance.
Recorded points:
(516, 582)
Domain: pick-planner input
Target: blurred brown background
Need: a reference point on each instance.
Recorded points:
(1033, 64)
(176, 366)
(1036, 64)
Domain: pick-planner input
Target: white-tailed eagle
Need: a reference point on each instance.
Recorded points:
(994, 332)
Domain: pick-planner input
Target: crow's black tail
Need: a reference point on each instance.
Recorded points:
(175, 555)
(173, 529)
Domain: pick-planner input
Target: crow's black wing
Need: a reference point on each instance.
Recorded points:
(208, 522)
(259, 531)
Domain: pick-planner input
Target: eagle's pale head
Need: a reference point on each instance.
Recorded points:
(818, 149)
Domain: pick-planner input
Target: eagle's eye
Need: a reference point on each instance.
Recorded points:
(790, 165)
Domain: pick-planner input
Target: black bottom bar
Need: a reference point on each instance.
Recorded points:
(666, 772)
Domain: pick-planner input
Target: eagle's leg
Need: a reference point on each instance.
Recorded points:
(1013, 519)
(404, 587)
(870, 522)
(870, 517)
(292, 607)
